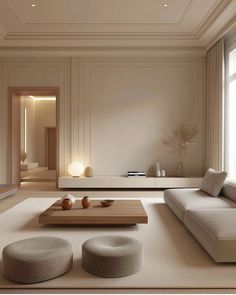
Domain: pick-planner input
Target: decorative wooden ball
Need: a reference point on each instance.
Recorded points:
(69, 197)
(88, 172)
(66, 204)
(85, 202)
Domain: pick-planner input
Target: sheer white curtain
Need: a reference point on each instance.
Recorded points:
(230, 108)
(214, 112)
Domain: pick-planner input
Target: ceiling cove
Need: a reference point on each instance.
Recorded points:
(151, 23)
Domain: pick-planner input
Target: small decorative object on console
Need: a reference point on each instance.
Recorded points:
(158, 169)
(85, 202)
(107, 203)
(163, 173)
(158, 173)
(136, 174)
(88, 171)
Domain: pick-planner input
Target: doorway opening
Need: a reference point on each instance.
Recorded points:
(34, 135)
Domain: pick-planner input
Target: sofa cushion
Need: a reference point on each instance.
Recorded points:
(215, 229)
(229, 190)
(181, 199)
(212, 182)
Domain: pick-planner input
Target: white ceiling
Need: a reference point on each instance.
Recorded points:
(114, 22)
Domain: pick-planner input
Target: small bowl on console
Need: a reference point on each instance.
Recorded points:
(107, 203)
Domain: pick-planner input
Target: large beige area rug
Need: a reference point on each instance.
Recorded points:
(173, 258)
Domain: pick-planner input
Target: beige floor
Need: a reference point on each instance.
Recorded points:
(28, 172)
(41, 174)
(9, 202)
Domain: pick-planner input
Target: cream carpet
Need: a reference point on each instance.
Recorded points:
(173, 259)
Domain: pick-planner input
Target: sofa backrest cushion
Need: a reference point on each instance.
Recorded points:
(229, 190)
(212, 182)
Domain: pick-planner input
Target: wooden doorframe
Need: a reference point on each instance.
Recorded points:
(46, 142)
(14, 174)
(24, 91)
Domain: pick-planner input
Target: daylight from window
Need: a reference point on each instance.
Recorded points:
(231, 117)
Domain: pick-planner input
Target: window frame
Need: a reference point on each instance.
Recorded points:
(230, 45)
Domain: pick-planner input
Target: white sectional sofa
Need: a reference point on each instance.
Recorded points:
(211, 220)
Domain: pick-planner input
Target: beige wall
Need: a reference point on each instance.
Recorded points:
(45, 117)
(126, 108)
(115, 111)
(132, 107)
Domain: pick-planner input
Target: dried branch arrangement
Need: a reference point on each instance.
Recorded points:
(178, 142)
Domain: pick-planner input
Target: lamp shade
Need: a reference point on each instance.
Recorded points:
(75, 169)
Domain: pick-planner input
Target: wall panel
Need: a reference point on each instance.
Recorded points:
(130, 106)
(114, 112)
(37, 72)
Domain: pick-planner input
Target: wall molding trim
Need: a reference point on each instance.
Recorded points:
(210, 19)
(85, 66)
(102, 52)
(35, 73)
(134, 41)
(223, 32)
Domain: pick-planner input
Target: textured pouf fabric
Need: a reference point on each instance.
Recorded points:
(36, 259)
(112, 256)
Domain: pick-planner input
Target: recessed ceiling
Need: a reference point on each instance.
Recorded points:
(158, 22)
(101, 11)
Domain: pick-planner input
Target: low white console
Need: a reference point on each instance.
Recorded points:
(127, 182)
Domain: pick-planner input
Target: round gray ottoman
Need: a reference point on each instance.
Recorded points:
(112, 256)
(36, 259)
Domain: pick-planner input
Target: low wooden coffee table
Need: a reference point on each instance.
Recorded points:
(120, 212)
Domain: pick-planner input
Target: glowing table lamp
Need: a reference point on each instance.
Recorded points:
(75, 169)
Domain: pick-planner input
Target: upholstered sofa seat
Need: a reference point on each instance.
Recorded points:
(211, 220)
(180, 200)
(215, 229)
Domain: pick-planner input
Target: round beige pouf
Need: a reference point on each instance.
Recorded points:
(112, 256)
(37, 259)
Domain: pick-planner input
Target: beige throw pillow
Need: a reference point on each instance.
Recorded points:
(213, 182)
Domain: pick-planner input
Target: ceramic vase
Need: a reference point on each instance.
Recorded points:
(88, 172)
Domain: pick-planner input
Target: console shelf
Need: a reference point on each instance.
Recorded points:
(127, 182)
